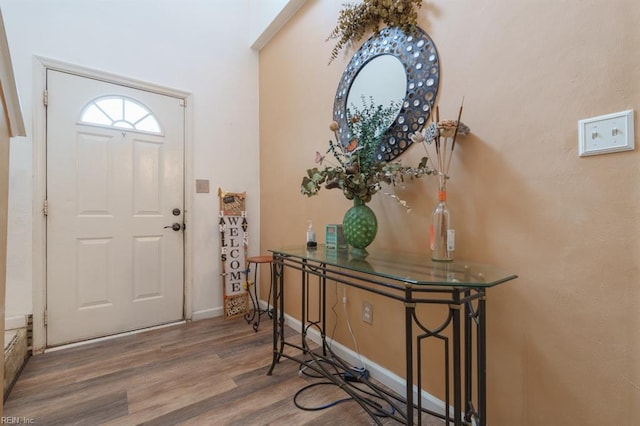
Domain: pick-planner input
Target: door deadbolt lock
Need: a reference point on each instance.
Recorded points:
(176, 212)
(176, 227)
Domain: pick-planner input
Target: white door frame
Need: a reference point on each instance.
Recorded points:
(40, 66)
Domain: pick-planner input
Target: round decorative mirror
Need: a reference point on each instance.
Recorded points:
(393, 67)
(366, 85)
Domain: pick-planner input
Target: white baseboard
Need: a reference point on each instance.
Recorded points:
(18, 321)
(206, 313)
(381, 374)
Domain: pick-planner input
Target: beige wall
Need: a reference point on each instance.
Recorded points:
(564, 339)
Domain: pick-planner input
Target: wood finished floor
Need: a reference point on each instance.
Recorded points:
(209, 372)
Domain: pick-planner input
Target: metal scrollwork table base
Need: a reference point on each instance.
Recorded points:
(412, 280)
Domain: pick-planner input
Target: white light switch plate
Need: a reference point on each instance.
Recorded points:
(606, 133)
(202, 186)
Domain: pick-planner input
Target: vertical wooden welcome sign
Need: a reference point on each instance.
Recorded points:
(234, 240)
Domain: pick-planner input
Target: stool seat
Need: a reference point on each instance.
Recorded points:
(260, 259)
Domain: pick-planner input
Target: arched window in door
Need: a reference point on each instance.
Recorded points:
(122, 113)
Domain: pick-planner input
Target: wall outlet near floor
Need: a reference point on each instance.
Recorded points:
(367, 312)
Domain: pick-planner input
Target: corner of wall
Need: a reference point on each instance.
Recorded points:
(289, 9)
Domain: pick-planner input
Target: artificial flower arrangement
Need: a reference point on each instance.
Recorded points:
(356, 171)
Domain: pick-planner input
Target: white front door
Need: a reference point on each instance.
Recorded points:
(115, 183)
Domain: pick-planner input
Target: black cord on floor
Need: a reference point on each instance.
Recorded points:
(378, 407)
(320, 407)
(379, 410)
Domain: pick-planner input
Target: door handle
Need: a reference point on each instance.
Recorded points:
(176, 227)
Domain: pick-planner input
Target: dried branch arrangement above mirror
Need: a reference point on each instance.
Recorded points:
(355, 20)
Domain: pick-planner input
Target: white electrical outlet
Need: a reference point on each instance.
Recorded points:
(606, 133)
(367, 312)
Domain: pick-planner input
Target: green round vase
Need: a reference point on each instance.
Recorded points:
(360, 227)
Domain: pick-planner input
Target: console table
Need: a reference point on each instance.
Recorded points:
(411, 279)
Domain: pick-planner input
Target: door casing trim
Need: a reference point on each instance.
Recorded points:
(40, 67)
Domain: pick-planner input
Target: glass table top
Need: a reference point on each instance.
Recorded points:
(406, 267)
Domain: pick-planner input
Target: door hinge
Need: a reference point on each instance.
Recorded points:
(45, 98)
(46, 317)
(183, 102)
(45, 208)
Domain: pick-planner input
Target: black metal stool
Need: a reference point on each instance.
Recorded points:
(256, 313)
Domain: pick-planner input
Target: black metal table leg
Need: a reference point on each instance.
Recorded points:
(468, 365)
(277, 280)
(482, 359)
(304, 305)
(409, 309)
(457, 386)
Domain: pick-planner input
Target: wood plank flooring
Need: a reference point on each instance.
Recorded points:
(209, 372)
